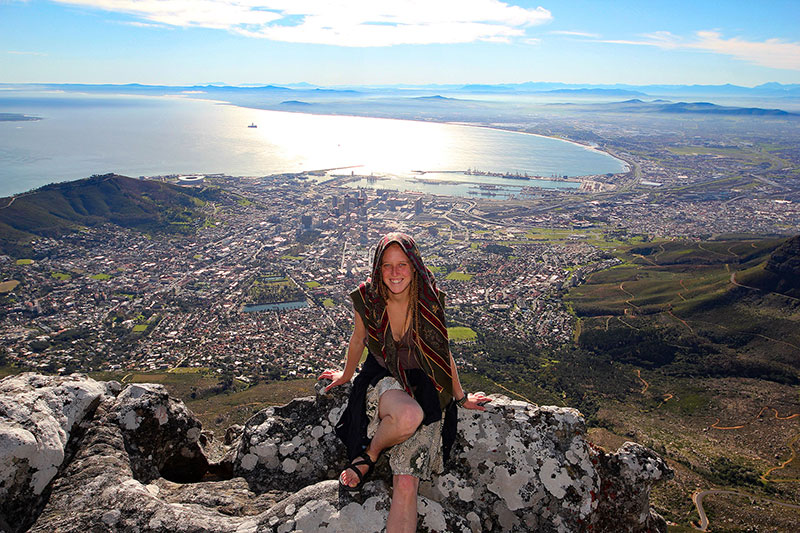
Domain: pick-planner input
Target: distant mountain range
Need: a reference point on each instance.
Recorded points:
(437, 102)
(766, 89)
(771, 89)
(664, 106)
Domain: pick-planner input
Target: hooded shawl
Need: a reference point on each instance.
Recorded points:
(430, 341)
(430, 346)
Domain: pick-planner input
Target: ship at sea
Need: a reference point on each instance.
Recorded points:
(252, 125)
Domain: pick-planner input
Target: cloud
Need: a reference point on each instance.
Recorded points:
(575, 33)
(137, 24)
(341, 22)
(772, 53)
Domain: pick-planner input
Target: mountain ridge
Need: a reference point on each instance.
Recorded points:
(60, 208)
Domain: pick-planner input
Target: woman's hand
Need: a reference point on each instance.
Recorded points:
(476, 401)
(336, 376)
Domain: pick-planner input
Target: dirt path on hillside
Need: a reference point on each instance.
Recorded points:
(791, 443)
(646, 384)
(629, 301)
(680, 294)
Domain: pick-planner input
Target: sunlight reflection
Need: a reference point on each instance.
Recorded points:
(379, 145)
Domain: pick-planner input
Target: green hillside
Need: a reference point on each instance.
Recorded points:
(60, 208)
(726, 308)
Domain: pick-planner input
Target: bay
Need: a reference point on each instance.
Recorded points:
(80, 135)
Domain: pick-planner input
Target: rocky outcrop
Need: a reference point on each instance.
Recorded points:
(292, 446)
(516, 467)
(160, 434)
(620, 508)
(39, 415)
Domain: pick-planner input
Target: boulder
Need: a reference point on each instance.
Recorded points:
(138, 465)
(98, 491)
(292, 446)
(626, 478)
(515, 467)
(39, 417)
(161, 434)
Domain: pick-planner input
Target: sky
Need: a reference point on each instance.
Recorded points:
(384, 42)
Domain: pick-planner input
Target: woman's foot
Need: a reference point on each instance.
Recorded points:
(357, 472)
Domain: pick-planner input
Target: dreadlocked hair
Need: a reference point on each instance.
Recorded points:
(413, 306)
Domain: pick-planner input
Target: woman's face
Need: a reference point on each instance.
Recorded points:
(396, 269)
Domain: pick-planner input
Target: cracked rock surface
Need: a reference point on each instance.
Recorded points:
(132, 459)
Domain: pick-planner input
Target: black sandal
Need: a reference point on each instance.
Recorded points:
(360, 460)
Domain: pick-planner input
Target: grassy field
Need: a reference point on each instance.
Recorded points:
(216, 409)
(754, 157)
(459, 276)
(101, 277)
(21, 262)
(461, 334)
(696, 295)
(8, 286)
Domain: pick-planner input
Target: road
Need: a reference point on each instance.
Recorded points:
(697, 498)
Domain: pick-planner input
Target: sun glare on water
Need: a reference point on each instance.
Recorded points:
(373, 145)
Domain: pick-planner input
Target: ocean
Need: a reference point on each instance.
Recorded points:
(80, 135)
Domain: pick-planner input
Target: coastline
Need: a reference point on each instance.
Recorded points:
(508, 129)
(23, 183)
(570, 141)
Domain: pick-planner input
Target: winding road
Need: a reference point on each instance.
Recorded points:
(697, 498)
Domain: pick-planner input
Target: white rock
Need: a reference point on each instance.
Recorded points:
(289, 465)
(249, 461)
(40, 413)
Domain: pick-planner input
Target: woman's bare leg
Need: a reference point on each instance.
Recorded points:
(403, 512)
(400, 416)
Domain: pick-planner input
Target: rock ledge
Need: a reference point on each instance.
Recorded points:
(78, 455)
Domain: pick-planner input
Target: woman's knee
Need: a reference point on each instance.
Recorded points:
(405, 484)
(409, 418)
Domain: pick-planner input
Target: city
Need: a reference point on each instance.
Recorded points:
(114, 299)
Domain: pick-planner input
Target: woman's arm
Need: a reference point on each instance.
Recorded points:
(473, 401)
(354, 351)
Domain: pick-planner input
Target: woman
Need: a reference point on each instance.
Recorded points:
(406, 394)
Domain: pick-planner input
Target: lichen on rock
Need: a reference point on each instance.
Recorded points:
(38, 417)
(515, 467)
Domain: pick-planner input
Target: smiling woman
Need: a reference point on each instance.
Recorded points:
(403, 401)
